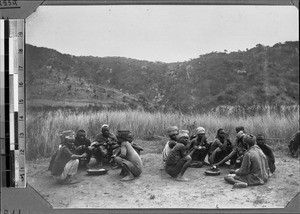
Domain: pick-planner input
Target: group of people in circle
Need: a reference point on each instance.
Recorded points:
(118, 151)
(252, 161)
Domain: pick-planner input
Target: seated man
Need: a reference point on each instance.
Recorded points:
(173, 133)
(261, 142)
(294, 145)
(103, 145)
(62, 137)
(198, 148)
(136, 147)
(236, 155)
(117, 151)
(220, 148)
(178, 159)
(65, 163)
(83, 145)
(254, 169)
(128, 159)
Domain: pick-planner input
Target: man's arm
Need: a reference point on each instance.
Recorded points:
(203, 141)
(189, 144)
(135, 146)
(112, 138)
(218, 144)
(78, 156)
(226, 142)
(245, 168)
(270, 153)
(123, 152)
(67, 152)
(190, 152)
(227, 157)
(88, 142)
(183, 151)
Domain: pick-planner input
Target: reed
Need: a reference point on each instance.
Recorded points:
(43, 128)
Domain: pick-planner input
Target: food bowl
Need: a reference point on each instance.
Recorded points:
(96, 171)
(212, 171)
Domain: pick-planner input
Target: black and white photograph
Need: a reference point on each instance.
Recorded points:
(163, 106)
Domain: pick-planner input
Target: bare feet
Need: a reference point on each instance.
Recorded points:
(181, 178)
(68, 180)
(127, 178)
(123, 172)
(71, 182)
(240, 185)
(115, 167)
(232, 171)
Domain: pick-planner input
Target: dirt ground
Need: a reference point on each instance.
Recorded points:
(155, 189)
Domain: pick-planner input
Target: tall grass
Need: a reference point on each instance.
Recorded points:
(43, 128)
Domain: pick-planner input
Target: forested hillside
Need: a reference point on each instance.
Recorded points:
(261, 75)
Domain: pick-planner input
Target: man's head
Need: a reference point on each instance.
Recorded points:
(105, 130)
(64, 134)
(221, 133)
(81, 134)
(69, 141)
(173, 132)
(240, 135)
(130, 137)
(200, 131)
(260, 139)
(249, 140)
(183, 137)
(240, 128)
(124, 135)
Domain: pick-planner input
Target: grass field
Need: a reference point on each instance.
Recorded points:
(43, 127)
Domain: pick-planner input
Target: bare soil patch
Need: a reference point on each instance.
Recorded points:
(156, 189)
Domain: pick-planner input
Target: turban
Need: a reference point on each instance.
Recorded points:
(70, 138)
(240, 134)
(67, 134)
(200, 130)
(125, 135)
(104, 126)
(183, 133)
(260, 137)
(80, 132)
(249, 139)
(239, 128)
(172, 130)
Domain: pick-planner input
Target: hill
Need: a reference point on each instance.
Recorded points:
(261, 75)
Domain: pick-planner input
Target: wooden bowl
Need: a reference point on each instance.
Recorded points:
(96, 171)
(212, 171)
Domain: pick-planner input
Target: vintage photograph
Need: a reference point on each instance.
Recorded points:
(163, 106)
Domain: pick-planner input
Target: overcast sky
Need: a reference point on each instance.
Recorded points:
(159, 33)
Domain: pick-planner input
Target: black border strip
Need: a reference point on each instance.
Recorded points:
(16, 127)
(168, 2)
(6, 103)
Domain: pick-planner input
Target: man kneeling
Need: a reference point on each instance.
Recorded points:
(178, 160)
(65, 163)
(254, 169)
(128, 160)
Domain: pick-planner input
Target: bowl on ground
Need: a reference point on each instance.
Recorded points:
(212, 171)
(96, 171)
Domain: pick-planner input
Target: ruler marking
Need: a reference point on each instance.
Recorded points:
(12, 103)
(20, 175)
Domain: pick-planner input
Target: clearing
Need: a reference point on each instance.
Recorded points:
(156, 189)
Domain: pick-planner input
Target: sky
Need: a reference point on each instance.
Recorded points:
(166, 33)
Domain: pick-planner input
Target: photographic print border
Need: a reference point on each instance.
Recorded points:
(27, 200)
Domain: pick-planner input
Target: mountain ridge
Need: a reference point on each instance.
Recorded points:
(261, 75)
